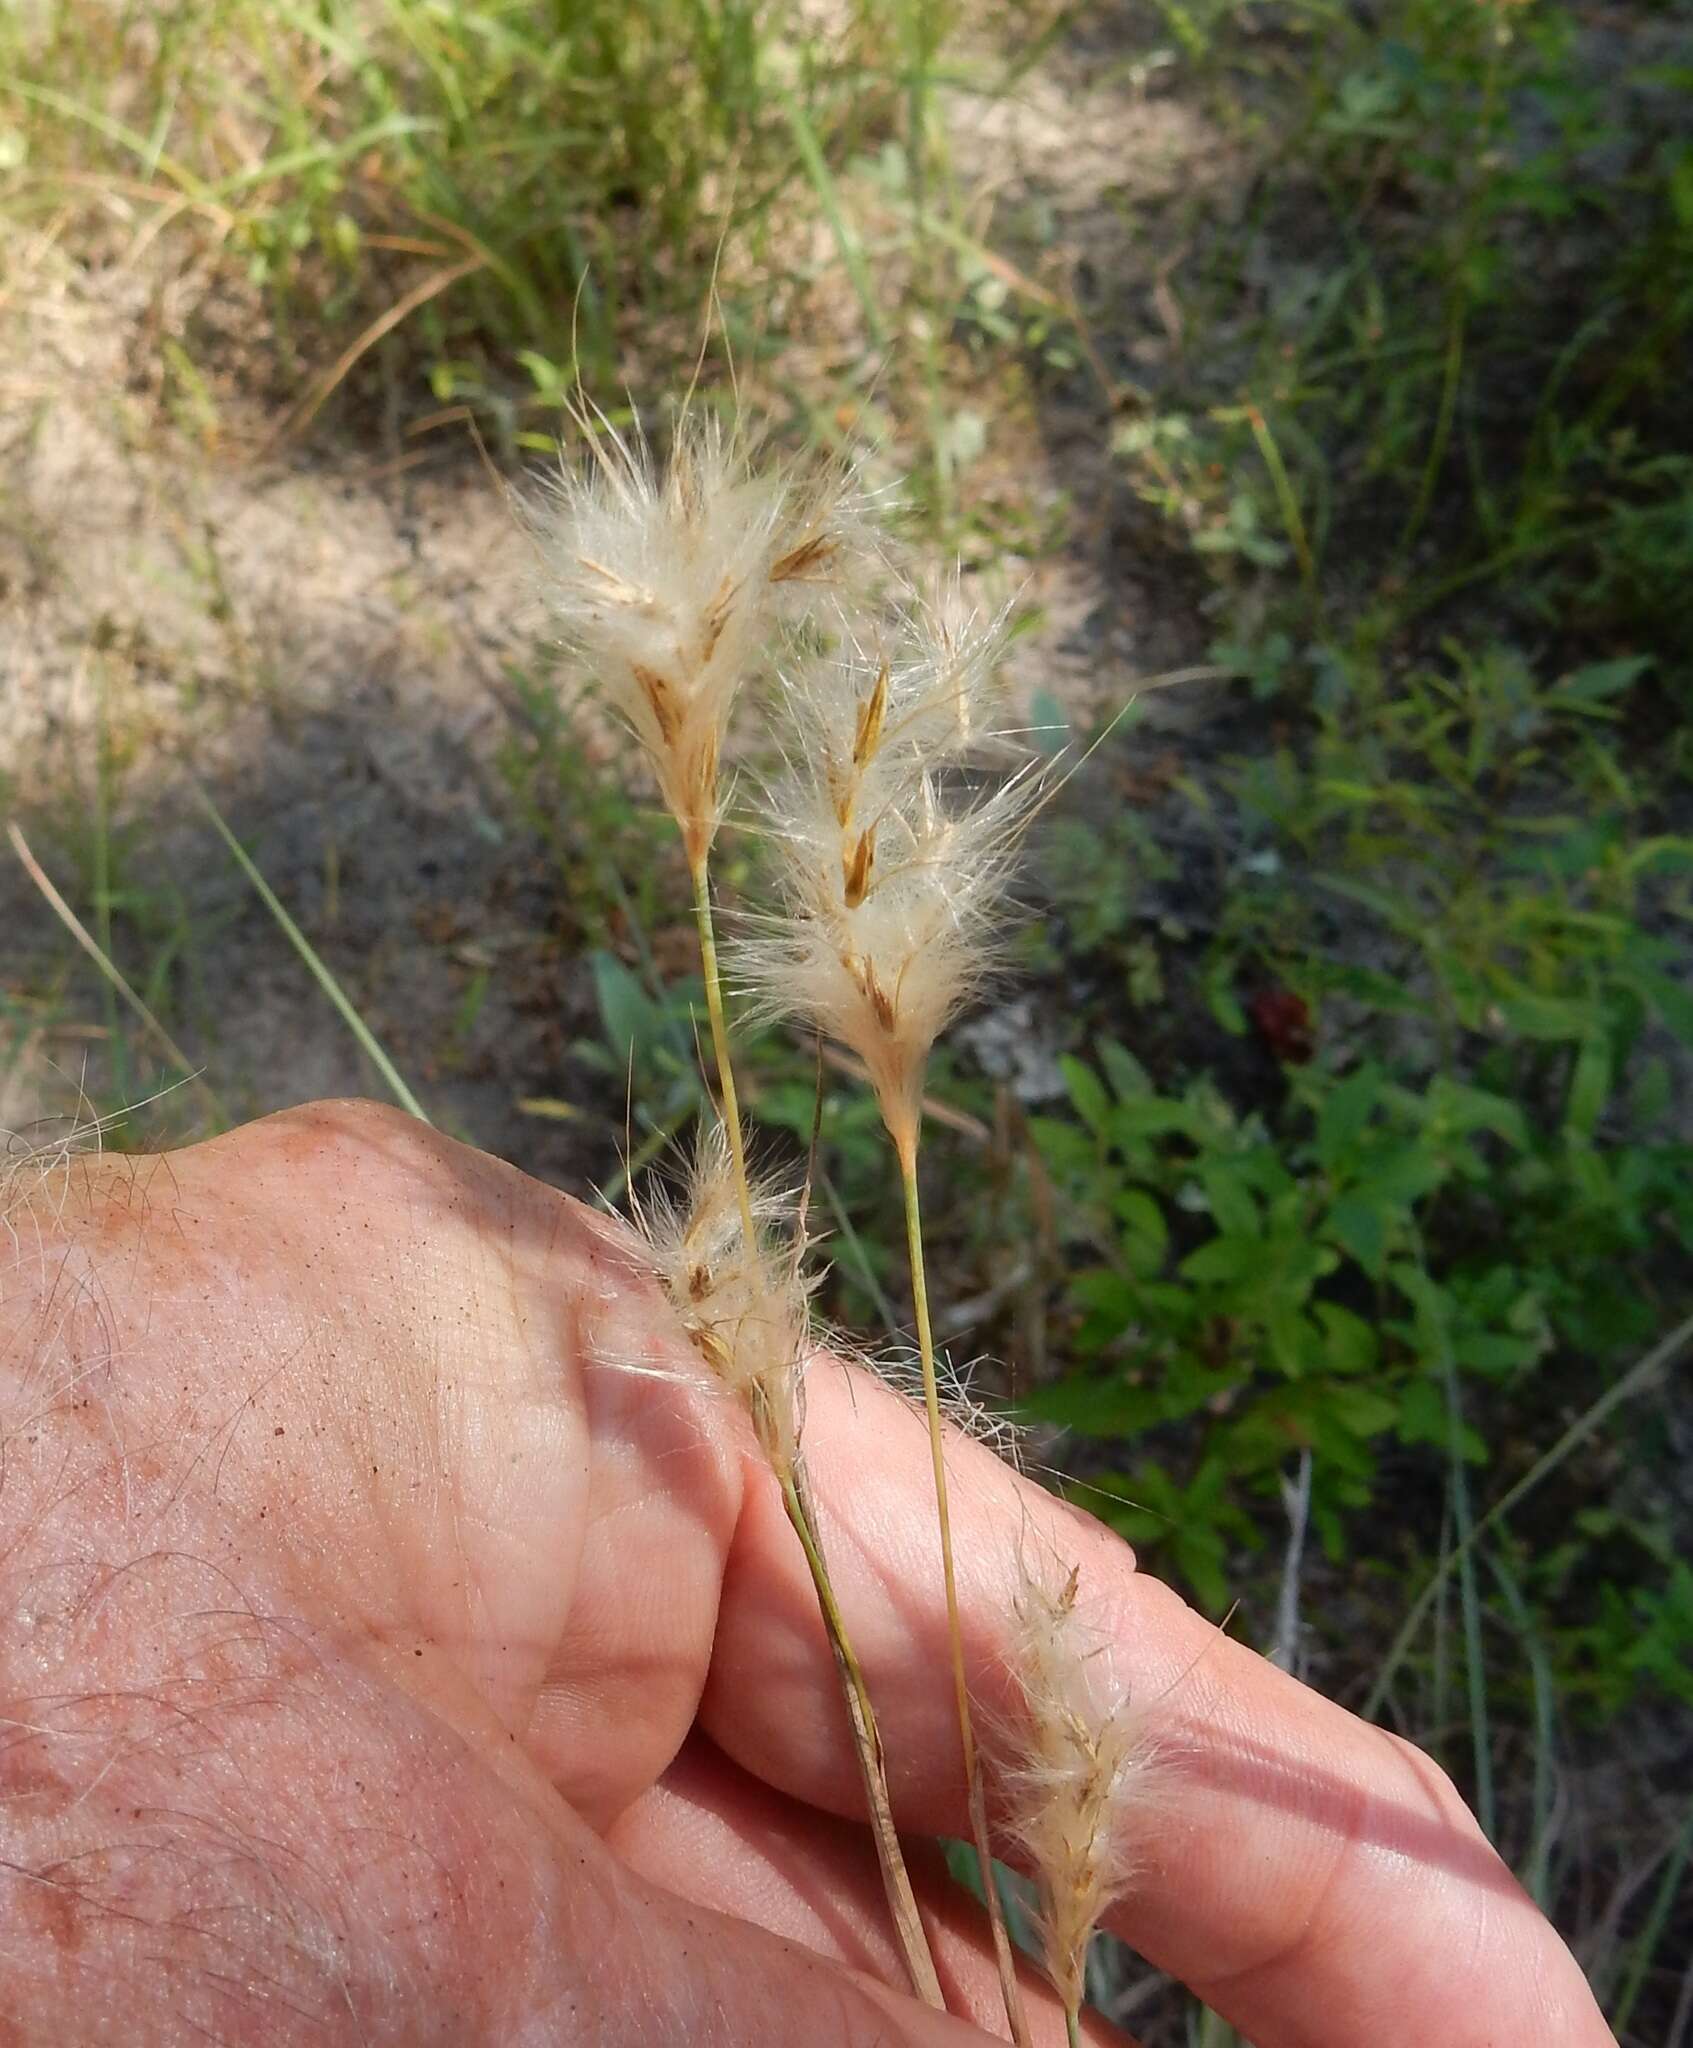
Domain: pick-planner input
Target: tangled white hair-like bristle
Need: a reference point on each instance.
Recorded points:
(963, 1409)
(1079, 1775)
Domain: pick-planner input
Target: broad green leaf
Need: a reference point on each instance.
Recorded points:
(1349, 1343)
(1225, 1258)
(1146, 1235)
(1087, 1093)
(626, 1014)
(1359, 1227)
(1345, 1110)
(1230, 1200)
(1125, 1073)
(1590, 1087)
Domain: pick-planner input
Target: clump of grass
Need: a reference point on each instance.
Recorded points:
(440, 187)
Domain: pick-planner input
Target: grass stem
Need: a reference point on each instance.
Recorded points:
(720, 1045)
(867, 1741)
(905, 1143)
(801, 1512)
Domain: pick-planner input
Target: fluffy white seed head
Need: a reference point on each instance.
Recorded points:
(872, 718)
(891, 873)
(667, 584)
(747, 1311)
(1080, 1775)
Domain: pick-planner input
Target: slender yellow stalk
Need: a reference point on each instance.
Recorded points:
(1073, 2025)
(867, 1741)
(905, 1142)
(801, 1512)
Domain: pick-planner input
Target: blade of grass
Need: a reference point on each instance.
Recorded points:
(1635, 1381)
(1287, 501)
(1534, 1875)
(367, 1040)
(138, 145)
(1657, 1919)
(829, 198)
(318, 394)
(112, 973)
(1475, 1667)
(102, 824)
(864, 1272)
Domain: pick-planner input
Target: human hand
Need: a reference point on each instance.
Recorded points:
(382, 1662)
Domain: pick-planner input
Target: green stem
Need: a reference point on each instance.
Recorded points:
(720, 1048)
(906, 1146)
(1073, 2026)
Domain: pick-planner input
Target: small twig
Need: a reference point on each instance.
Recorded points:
(979, 1308)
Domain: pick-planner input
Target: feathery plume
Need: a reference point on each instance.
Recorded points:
(1080, 1773)
(747, 1309)
(890, 883)
(669, 582)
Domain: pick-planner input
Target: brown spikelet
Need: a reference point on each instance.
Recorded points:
(881, 1003)
(617, 588)
(661, 699)
(716, 618)
(800, 561)
(873, 712)
(855, 870)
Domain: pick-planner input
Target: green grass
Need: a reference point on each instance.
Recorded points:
(475, 202)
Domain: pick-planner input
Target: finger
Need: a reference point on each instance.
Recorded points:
(710, 1831)
(1316, 1880)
